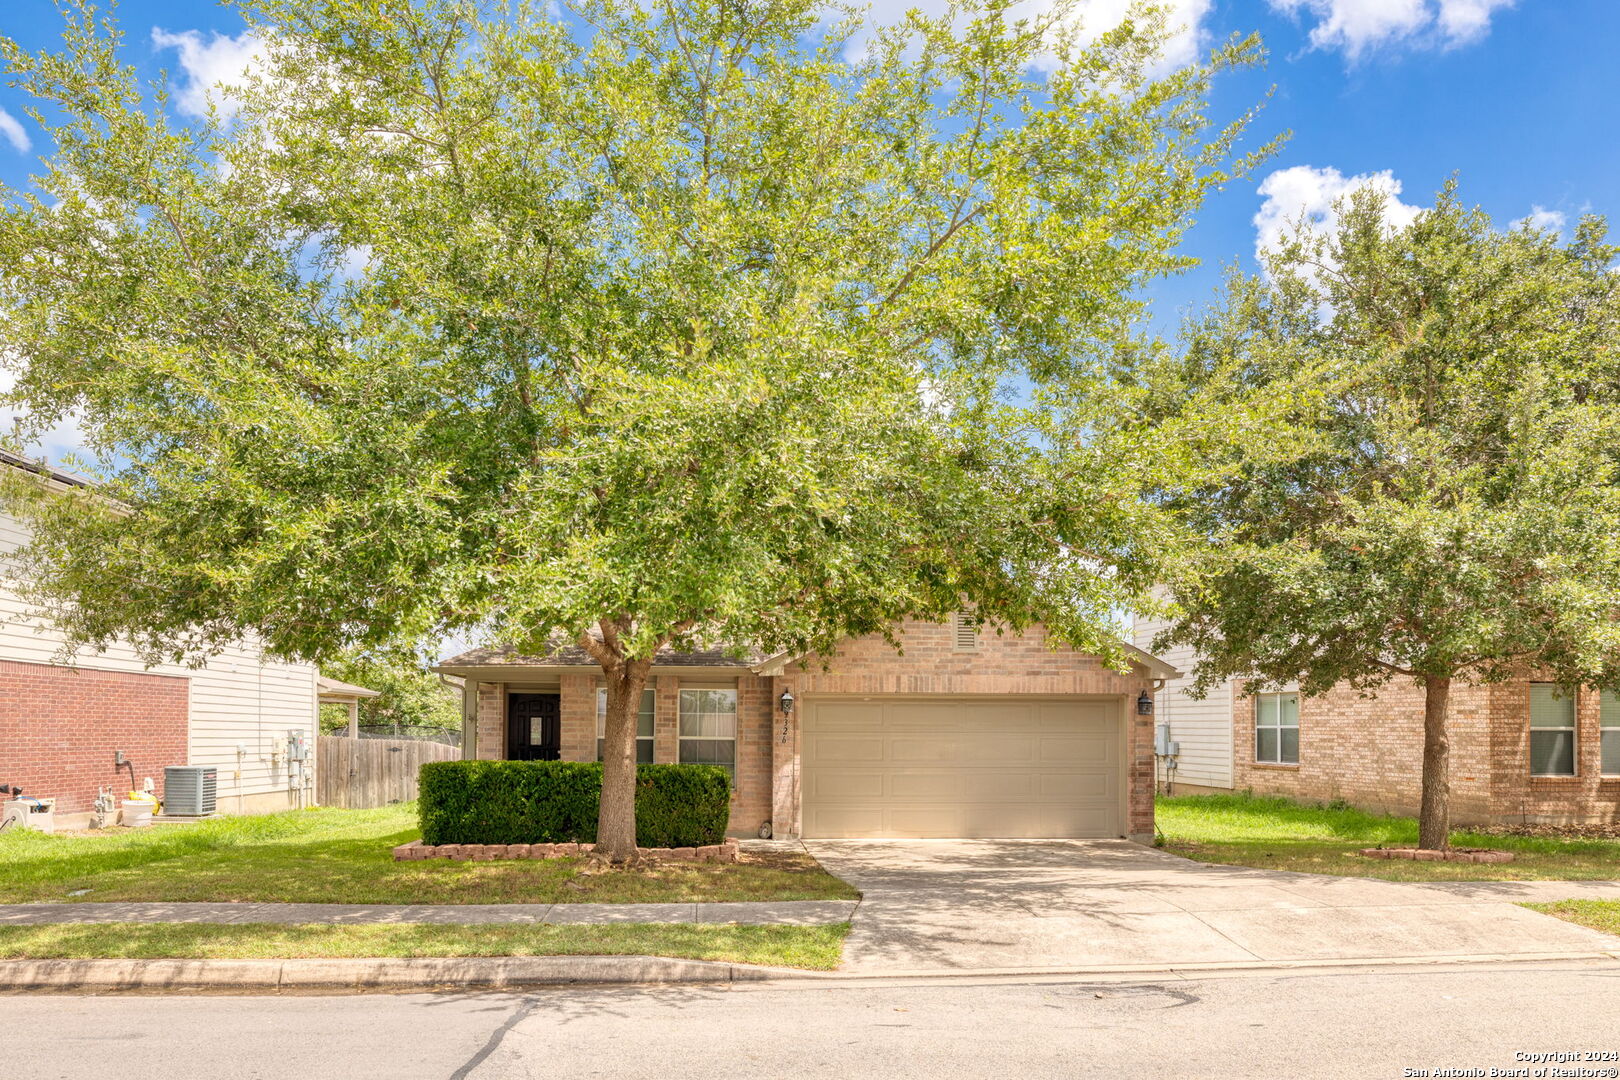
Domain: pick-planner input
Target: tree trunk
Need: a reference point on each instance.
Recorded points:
(616, 823)
(1434, 817)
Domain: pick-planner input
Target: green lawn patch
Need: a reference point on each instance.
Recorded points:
(1280, 834)
(815, 947)
(1601, 915)
(345, 857)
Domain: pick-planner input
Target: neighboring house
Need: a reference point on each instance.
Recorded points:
(967, 733)
(1521, 751)
(62, 727)
(1202, 727)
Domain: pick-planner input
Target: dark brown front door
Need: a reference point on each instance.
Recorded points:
(534, 727)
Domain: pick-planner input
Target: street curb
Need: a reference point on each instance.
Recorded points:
(383, 973)
(392, 974)
(1190, 971)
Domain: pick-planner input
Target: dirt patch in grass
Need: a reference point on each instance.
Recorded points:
(814, 947)
(345, 857)
(1279, 834)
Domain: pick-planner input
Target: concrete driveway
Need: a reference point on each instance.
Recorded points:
(1067, 905)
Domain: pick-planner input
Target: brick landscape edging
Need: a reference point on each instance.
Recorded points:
(1430, 855)
(710, 853)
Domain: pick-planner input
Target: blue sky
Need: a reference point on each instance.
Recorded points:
(1514, 97)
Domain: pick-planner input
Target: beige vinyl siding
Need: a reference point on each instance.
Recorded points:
(237, 698)
(1204, 728)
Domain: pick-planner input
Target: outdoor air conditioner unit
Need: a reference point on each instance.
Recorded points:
(189, 790)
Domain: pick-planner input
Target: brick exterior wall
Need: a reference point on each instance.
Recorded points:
(768, 745)
(1002, 664)
(491, 741)
(578, 718)
(1369, 752)
(60, 728)
(1519, 797)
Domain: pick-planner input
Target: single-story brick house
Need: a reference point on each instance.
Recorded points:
(966, 733)
(1523, 750)
(65, 727)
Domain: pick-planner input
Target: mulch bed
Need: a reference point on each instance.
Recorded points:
(1463, 855)
(712, 853)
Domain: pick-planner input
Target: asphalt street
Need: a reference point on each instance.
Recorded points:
(1351, 1024)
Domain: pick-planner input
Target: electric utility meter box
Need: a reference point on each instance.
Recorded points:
(1161, 739)
(297, 748)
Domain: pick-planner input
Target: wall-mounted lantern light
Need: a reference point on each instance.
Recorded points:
(1144, 704)
(787, 702)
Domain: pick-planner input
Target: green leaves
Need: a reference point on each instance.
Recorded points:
(688, 320)
(1438, 496)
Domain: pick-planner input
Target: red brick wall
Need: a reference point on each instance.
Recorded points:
(767, 765)
(1002, 664)
(1369, 752)
(60, 727)
(1585, 797)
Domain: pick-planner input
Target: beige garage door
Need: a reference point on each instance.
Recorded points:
(995, 767)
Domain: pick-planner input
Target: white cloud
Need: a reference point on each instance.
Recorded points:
(1358, 26)
(1462, 21)
(210, 66)
(14, 133)
(1183, 18)
(1544, 219)
(1308, 192)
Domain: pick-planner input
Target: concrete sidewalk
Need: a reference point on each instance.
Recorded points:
(933, 906)
(791, 913)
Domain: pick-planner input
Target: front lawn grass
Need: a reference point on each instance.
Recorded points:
(331, 856)
(1601, 915)
(1280, 834)
(815, 947)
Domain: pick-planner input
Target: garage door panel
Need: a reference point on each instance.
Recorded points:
(847, 716)
(918, 716)
(1076, 821)
(849, 749)
(915, 748)
(1095, 749)
(929, 822)
(929, 786)
(1080, 785)
(962, 768)
(980, 785)
(847, 785)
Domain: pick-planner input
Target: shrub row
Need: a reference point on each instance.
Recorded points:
(556, 802)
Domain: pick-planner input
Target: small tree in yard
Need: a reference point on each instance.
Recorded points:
(643, 325)
(1436, 499)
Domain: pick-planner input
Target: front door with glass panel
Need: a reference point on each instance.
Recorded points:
(534, 727)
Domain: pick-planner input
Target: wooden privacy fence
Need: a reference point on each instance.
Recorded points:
(360, 773)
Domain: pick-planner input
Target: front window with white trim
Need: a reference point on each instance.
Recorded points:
(1609, 721)
(644, 726)
(1276, 729)
(1552, 730)
(708, 728)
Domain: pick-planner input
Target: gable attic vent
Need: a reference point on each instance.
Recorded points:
(966, 629)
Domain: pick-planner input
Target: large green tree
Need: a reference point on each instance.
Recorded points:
(642, 325)
(1433, 497)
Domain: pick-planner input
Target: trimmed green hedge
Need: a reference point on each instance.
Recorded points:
(556, 802)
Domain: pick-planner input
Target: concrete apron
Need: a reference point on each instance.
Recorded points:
(936, 906)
